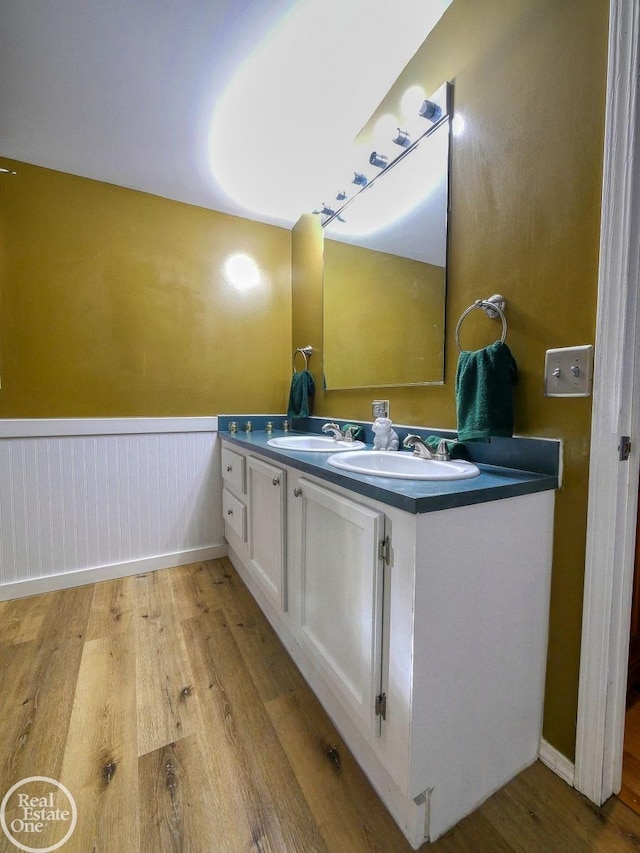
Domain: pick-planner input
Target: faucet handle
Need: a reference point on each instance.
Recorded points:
(442, 451)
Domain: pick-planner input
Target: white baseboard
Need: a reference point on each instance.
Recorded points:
(557, 762)
(66, 580)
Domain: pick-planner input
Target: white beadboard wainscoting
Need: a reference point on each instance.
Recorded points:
(83, 500)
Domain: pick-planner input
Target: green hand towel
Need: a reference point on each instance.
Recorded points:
(484, 398)
(302, 387)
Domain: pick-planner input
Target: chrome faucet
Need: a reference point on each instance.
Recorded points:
(424, 452)
(334, 429)
(336, 432)
(419, 447)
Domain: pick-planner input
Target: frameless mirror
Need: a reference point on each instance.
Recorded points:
(385, 274)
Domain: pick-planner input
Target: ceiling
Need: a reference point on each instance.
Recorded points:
(242, 106)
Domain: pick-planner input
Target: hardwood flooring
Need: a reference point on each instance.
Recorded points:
(168, 707)
(630, 791)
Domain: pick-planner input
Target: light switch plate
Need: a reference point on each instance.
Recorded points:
(568, 372)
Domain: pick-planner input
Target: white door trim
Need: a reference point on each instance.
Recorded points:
(613, 484)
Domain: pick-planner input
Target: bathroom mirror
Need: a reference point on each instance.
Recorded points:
(385, 274)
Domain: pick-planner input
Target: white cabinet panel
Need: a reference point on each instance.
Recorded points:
(266, 486)
(340, 581)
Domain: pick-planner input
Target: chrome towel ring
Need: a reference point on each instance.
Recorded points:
(306, 353)
(493, 307)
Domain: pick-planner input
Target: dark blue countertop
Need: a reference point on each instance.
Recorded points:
(495, 482)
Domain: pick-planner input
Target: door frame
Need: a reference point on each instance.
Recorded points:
(613, 484)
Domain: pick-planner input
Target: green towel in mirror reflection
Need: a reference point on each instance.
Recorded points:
(302, 387)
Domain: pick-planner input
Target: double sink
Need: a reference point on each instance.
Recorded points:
(352, 456)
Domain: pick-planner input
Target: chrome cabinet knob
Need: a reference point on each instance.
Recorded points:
(229, 512)
(297, 492)
(276, 481)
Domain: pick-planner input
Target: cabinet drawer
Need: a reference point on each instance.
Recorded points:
(235, 514)
(233, 470)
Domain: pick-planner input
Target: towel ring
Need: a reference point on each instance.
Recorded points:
(306, 354)
(493, 307)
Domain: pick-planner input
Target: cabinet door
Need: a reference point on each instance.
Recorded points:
(340, 579)
(266, 495)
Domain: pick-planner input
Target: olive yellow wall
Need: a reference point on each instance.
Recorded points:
(529, 82)
(117, 303)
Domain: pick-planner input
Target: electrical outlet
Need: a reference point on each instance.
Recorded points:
(380, 409)
(568, 372)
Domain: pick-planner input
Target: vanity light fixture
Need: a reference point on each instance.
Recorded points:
(379, 160)
(402, 138)
(430, 111)
(4, 171)
(325, 210)
(415, 106)
(329, 212)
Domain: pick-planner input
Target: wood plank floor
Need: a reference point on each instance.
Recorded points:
(630, 791)
(168, 707)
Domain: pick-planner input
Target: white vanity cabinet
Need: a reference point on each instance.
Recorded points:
(423, 635)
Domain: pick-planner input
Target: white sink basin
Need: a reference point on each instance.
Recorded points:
(314, 443)
(405, 466)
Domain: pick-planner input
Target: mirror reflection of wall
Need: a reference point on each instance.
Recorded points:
(383, 319)
(385, 276)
